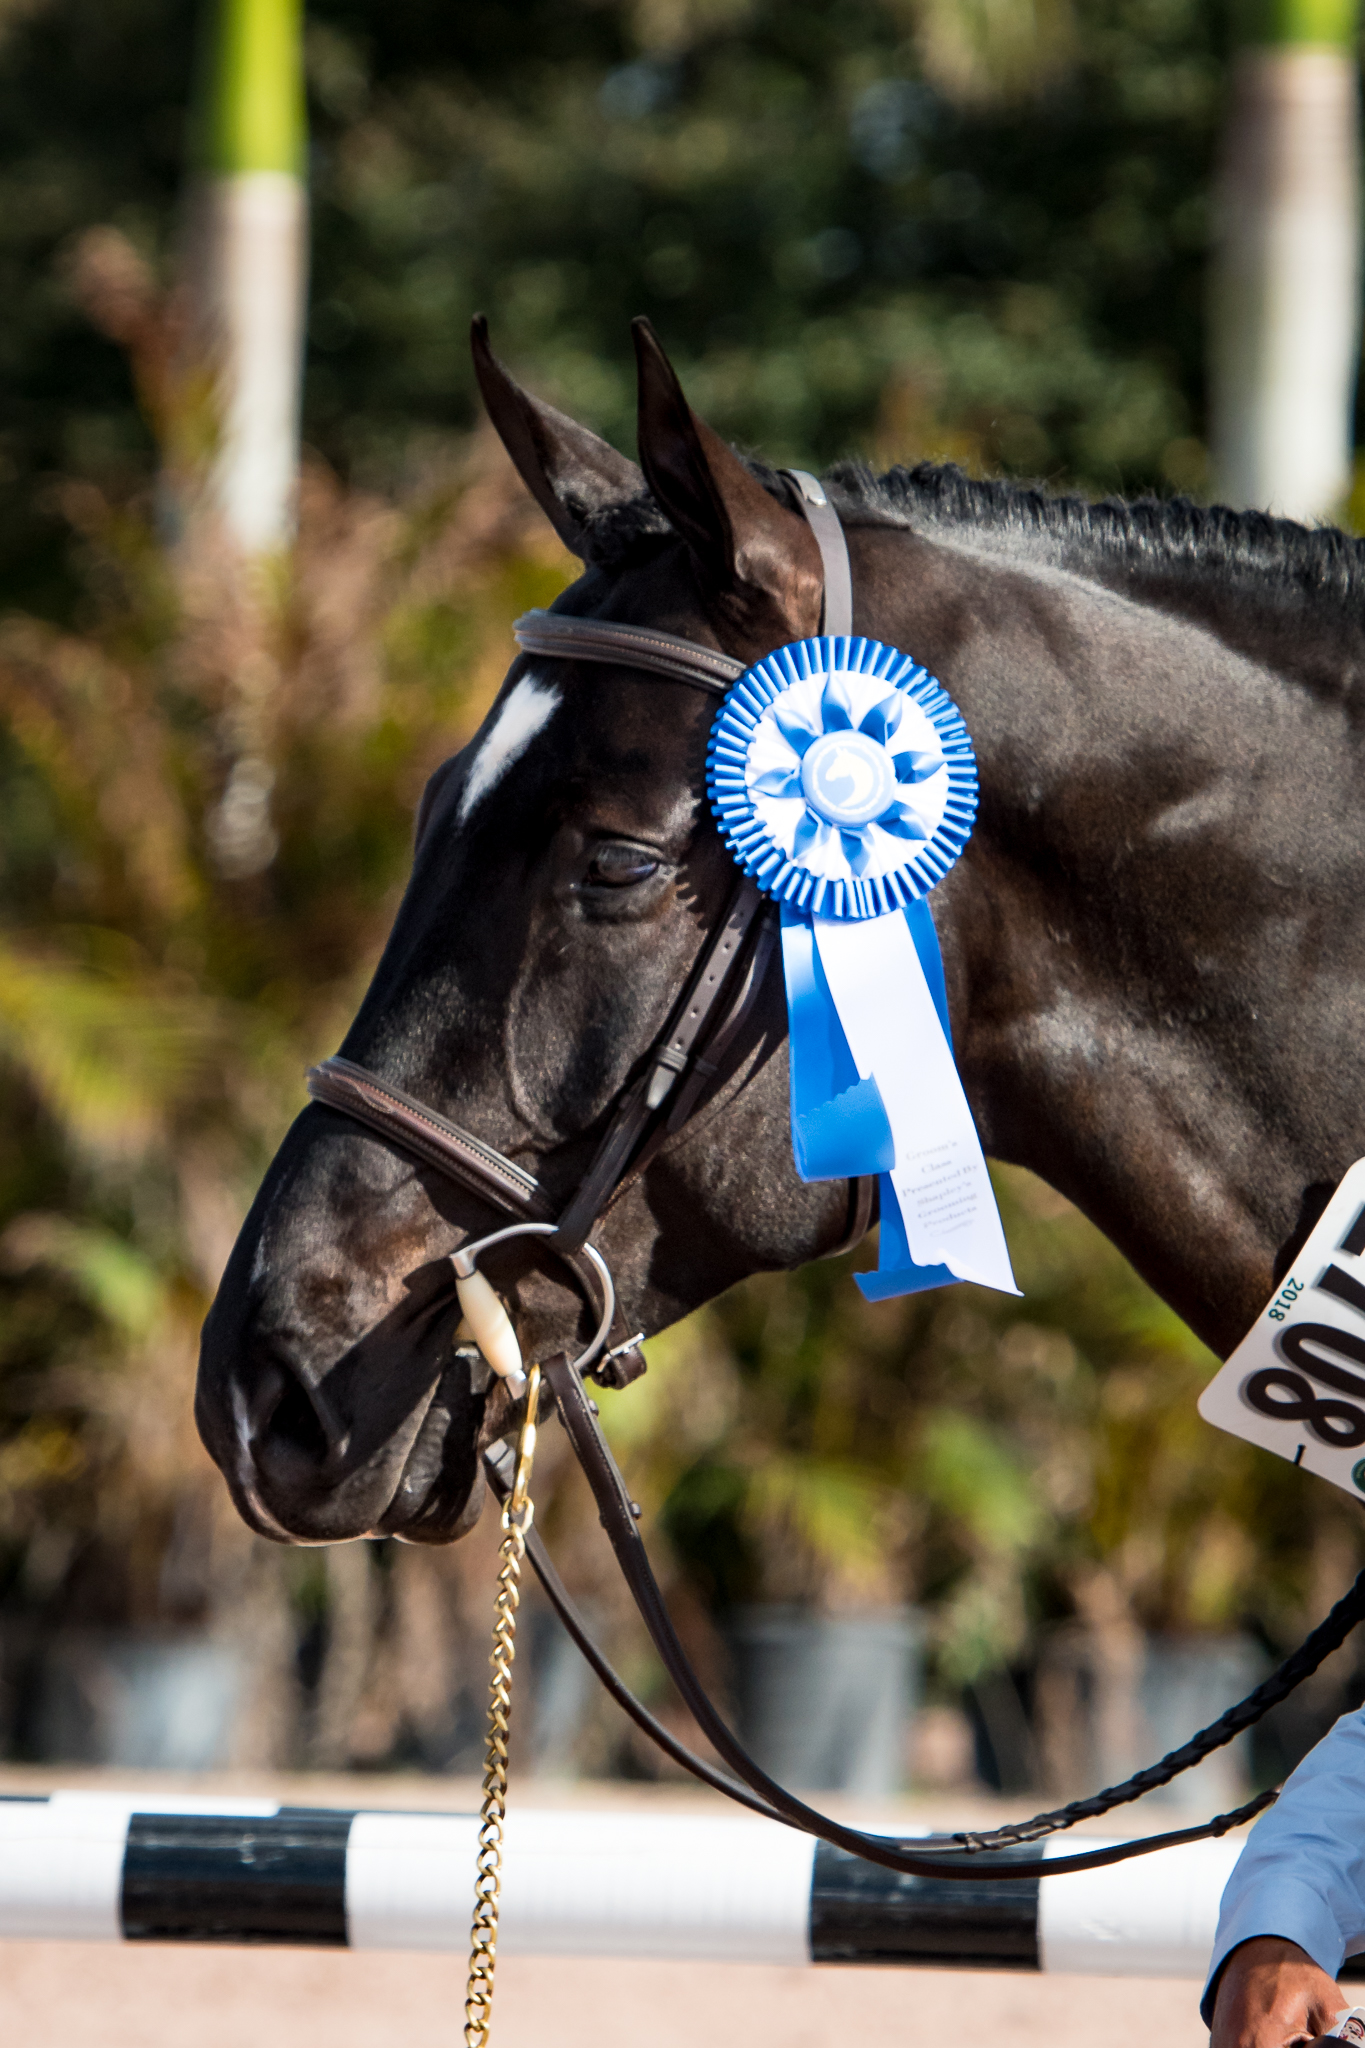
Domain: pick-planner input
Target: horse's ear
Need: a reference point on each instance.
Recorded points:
(759, 563)
(570, 472)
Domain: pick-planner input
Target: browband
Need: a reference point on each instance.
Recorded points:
(565, 638)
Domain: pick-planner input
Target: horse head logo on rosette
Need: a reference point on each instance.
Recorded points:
(845, 784)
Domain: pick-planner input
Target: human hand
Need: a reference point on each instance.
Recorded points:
(1272, 1995)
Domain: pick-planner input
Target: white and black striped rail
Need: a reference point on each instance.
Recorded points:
(83, 1866)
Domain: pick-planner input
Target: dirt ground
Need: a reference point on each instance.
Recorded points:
(72, 1996)
(90, 1996)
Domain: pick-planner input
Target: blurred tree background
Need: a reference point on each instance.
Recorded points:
(898, 227)
(904, 228)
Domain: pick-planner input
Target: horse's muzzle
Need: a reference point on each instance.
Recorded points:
(381, 1439)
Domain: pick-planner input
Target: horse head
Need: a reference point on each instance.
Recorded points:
(566, 872)
(1151, 943)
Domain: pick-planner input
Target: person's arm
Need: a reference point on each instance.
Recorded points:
(1270, 1993)
(1295, 1903)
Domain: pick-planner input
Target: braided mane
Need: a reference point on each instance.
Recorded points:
(1273, 560)
(1169, 533)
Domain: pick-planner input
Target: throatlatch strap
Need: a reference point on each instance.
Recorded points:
(825, 523)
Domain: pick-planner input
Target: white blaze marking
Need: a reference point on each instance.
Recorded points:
(526, 711)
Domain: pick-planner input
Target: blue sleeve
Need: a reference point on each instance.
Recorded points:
(1302, 1872)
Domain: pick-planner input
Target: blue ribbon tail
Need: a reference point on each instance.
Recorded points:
(851, 1127)
(840, 1129)
(839, 1125)
(921, 923)
(896, 1271)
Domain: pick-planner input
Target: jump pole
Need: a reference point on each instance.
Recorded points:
(110, 1866)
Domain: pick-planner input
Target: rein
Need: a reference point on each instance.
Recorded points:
(677, 1071)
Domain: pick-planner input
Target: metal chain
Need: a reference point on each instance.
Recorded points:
(517, 1517)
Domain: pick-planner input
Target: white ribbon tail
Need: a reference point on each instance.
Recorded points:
(895, 1036)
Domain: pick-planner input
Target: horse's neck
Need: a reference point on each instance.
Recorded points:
(1153, 940)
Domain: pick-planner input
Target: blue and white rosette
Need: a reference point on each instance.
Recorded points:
(845, 784)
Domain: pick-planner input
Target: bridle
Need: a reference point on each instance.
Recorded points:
(673, 1080)
(681, 1069)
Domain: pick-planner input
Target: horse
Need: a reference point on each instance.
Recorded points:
(1152, 943)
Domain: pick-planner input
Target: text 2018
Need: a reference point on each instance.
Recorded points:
(1290, 1292)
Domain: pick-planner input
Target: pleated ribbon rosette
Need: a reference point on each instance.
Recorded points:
(845, 783)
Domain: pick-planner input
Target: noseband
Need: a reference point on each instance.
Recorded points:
(678, 1070)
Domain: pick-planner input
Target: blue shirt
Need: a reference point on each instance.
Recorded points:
(1302, 1872)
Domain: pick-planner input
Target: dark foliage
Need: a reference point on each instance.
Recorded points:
(839, 257)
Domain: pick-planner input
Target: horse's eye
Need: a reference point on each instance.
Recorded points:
(617, 867)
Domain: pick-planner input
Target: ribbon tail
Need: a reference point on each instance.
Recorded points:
(885, 978)
(920, 920)
(839, 1122)
(897, 1272)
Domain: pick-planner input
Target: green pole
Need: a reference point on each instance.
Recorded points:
(247, 259)
(1327, 24)
(252, 104)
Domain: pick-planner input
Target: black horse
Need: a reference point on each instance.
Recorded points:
(1153, 943)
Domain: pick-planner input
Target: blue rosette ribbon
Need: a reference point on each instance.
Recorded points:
(845, 784)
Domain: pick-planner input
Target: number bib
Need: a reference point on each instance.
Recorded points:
(1295, 1384)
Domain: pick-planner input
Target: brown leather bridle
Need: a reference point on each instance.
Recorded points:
(687, 1061)
(672, 1080)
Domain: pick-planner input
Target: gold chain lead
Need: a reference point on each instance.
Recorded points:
(483, 1934)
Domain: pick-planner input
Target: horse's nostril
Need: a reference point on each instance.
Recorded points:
(295, 1422)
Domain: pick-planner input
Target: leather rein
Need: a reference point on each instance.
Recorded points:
(676, 1075)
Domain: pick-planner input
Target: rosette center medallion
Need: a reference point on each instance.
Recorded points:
(848, 778)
